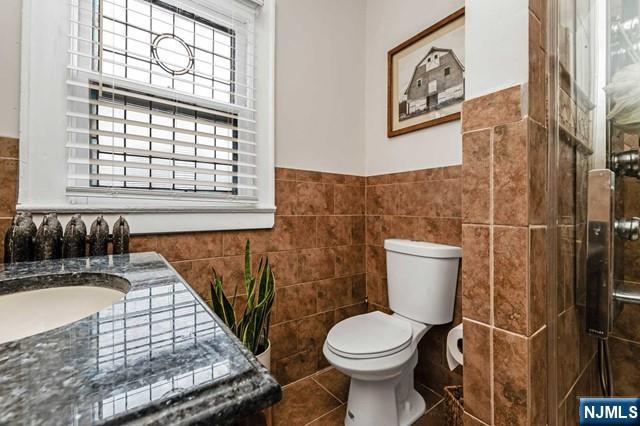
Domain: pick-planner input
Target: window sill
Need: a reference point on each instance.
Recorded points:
(164, 220)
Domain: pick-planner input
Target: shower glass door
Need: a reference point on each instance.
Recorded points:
(623, 130)
(594, 112)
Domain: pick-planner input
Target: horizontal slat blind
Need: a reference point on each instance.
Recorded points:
(161, 99)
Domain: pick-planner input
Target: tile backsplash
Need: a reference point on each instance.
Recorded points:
(326, 249)
(318, 254)
(504, 266)
(504, 240)
(423, 205)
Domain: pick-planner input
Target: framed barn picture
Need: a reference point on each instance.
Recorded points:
(425, 84)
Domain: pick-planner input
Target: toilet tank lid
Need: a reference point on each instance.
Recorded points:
(422, 248)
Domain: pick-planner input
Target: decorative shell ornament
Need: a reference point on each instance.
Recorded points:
(99, 237)
(624, 92)
(19, 239)
(121, 235)
(48, 244)
(75, 238)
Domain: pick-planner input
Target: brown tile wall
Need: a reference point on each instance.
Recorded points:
(317, 250)
(421, 205)
(8, 184)
(504, 240)
(504, 267)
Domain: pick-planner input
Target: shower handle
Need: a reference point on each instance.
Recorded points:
(628, 229)
(626, 294)
(626, 163)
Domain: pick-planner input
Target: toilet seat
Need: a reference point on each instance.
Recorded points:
(371, 335)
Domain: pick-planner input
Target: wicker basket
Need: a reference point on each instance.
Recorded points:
(454, 405)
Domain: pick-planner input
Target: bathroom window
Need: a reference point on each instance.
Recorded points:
(167, 108)
(159, 146)
(160, 157)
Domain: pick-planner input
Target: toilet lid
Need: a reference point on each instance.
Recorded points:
(371, 335)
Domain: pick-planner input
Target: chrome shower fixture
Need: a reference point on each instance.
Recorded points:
(628, 229)
(605, 295)
(626, 163)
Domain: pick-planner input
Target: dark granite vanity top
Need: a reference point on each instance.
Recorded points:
(158, 356)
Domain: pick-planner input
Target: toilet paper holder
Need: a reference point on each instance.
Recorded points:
(455, 345)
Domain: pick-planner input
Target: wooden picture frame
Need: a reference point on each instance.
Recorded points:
(438, 99)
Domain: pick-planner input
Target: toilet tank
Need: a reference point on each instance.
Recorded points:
(421, 279)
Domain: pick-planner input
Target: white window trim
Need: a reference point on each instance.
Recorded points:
(41, 45)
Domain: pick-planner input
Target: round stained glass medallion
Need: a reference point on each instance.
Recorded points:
(172, 54)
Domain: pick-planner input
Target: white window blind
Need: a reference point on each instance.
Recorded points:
(161, 100)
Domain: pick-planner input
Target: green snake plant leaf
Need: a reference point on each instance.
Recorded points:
(264, 277)
(220, 303)
(252, 327)
(249, 283)
(265, 303)
(249, 280)
(248, 333)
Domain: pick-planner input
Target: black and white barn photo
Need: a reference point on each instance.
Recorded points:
(426, 77)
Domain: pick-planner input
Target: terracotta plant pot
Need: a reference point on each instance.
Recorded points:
(265, 356)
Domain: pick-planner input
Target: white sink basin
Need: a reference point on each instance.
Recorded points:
(31, 312)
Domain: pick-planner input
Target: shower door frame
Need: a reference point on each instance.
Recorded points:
(552, 194)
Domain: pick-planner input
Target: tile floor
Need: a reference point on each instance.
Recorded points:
(320, 400)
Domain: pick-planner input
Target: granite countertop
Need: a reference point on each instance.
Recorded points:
(158, 356)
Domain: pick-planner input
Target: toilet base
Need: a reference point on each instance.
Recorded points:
(414, 411)
(391, 402)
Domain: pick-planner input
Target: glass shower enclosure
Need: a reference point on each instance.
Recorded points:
(594, 124)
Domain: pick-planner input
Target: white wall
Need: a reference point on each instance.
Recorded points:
(319, 82)
(331, 78)
(496, 45)
(320, 73)
(10, 67)
(389, 23)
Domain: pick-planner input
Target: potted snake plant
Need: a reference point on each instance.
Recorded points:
(252, 326)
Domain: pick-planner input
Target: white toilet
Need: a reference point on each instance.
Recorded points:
(378, 351)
